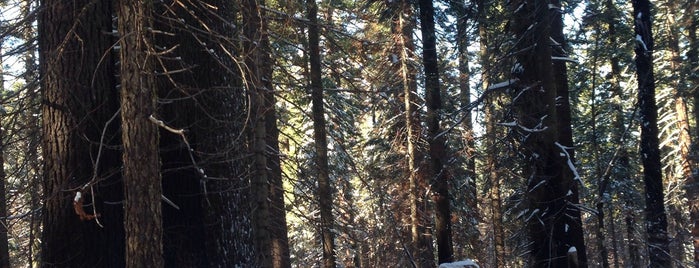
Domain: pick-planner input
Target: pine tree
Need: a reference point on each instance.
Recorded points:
(142, 181)
(325, 199)
(656, 220)
(79, 99)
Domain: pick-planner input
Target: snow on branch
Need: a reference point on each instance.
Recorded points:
(639, 40)
(538, 127)
(504, 84)
(565, 153)
(568, 59)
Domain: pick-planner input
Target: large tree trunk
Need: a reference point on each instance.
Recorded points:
(141, 173)
(547, 166)
(272, 248)
(573, 218)
(656, 220)
(436, 140)
(79, 98)
(421, 239)
(325, 200)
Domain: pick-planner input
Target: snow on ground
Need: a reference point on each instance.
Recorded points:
(468, 263)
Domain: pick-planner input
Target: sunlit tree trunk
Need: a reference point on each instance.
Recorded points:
(324, 197)
(692, 184)
(656, 220)
(273, 247)
(141, 173)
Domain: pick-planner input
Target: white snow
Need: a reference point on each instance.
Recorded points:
(542, 182)
(468, 263)
(572, 249)
(568, 59)
(639, 39)
(570, 163)
(502, 84)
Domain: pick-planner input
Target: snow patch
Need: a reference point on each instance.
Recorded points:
(468, 263)
(639, 39)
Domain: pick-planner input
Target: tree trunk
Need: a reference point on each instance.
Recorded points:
(78, 100)
(437, 143)
(536, 120)
(141, 173)
(656, 220)
(492, 115)
(573, 218)
(325, 200)
(462, 26)
(4, 245)
(692, 184)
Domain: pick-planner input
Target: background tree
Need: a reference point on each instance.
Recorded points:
(437, 147)
(325, 197)
(656, 220)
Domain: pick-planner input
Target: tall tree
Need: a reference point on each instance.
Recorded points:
(548, 166)
(79, 98)
(436, 139)
(692, 184)
(573, 217)
(656, 219)
(325, 200)
(141, 173)
(4, 244)
(273, 248)
(492, 165)
(463, 37)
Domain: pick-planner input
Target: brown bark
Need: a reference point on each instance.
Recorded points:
(141, 173)
(79, 98)
(421, 248)
(692, 185)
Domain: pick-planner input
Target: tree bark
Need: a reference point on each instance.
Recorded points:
(79, 98)
(462, 26)
(656, 219)
(141, 173)
(325, 200)
(437, 143)
(573, 217)
(4, 243)
(548, 166)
